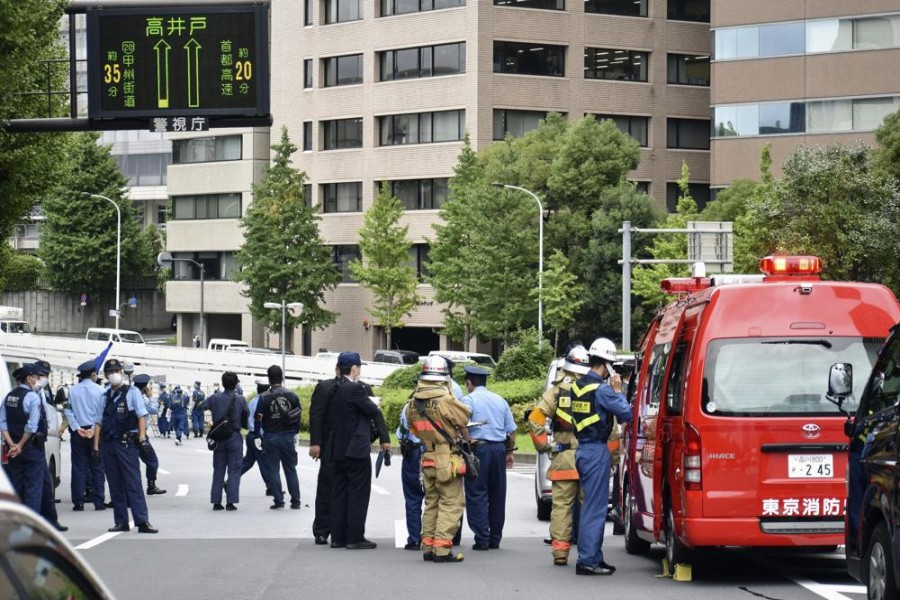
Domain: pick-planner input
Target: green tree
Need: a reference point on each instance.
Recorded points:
(887, 154)
(560, 303)
(283, 256)
(22, 272)
(385, 268)
(78, 237)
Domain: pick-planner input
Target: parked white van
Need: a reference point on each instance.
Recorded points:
(104, 334)
(482, 360)
(223, 344)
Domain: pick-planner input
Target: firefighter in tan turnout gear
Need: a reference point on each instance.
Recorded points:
(556, 404)
(433, 408)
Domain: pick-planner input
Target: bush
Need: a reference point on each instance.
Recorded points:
(23, 272)
(526, 359)
(404, 378)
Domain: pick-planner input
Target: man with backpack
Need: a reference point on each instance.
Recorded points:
(278, 415)
(229, 414)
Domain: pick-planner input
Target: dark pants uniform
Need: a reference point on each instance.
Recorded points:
(413, 494)
(48, 498)
(350, 493)
(123, 473)
(252, 457)
(197, 423)
(148, 457)
(27, 473)
(486, 496)
(278, 449)
(592, 461)
(227, 455)
(163, 424)
(325, 481)
(85, 472)
(179, 424)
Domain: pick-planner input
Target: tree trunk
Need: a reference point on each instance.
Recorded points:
(387, 333)
(556, 343)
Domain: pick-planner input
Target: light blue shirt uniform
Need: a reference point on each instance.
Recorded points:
(488, 406)
(134, 400)
(85, 405)
(457, 391)
(31, 404)
(404, 432)
(251, 422)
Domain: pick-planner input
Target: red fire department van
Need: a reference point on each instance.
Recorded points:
(733, 441)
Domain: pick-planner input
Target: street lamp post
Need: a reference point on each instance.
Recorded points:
(165, 260)
(283, 306)
(118, 247)
(540, 251)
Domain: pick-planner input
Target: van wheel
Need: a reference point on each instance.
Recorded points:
(633, 544)
(544, 508)
(54, 473)
(675, 552)
(877, 567)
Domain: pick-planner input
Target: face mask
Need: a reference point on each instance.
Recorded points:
(115, 379)
(41, 383)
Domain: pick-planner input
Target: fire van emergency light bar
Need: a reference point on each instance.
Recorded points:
(791, 265)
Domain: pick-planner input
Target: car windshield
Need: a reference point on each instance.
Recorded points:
(486, 361)
(755, 377)
(16, 327)
(131, 338)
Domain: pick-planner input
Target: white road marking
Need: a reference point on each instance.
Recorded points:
(829, 591)
(164, 472)
(182, 489)
(101, 538)
(526, 476)
(380, 490)
(400, 534)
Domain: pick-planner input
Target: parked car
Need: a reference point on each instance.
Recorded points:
(482, 360)
(396, 357)
(871, 536)
(104, 334)
(39, 562)
(225, 344)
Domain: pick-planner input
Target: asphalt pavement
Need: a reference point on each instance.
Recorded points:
(257, 553)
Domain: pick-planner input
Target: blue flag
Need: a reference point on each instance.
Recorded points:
(98, 362)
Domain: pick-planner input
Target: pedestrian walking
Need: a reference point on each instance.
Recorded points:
(162, 422)
(319, 433)
(350, 417)
(493, 442)
(229, 415)
(84, 413)
(178, 411)
(278, 415)
(253, 455)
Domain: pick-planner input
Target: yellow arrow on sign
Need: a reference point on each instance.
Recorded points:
(162, 73)
(193, 72)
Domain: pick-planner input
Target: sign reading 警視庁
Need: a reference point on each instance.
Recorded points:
(178, 60)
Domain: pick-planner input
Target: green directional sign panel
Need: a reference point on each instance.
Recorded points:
(178, 60)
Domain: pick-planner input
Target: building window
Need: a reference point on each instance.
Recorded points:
(689, 10)
(771, 118)
(628, 8)
(619, 65)
(777, 39)
(341, 256)
(162, 215)
(699, 192)
(686, 69)
(403, 7)
(636, 127)
(418, 260)
(421, 194)
(428, 61)
(207, 206)
(515, 122)
(307, 136)
(687, 134)
(543, 4)
(341, 11)
(422, 128)
(145, 169)
(342, 197)
(208, 149)
(343, 70)
(307, 73)
(342, 133)
(217, 266)
(529, 59)
(642, 186)
(307, 12)
(308, 194)
(861, 114)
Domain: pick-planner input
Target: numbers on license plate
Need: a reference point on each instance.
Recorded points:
(810, 466)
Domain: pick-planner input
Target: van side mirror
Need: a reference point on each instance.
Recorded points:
(840, 384)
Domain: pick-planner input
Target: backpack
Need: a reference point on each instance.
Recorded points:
(280, 409)
(222, 429)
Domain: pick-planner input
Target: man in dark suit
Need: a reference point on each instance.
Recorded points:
(350, 417)
(319, 432)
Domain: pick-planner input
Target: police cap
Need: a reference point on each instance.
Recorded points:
(141, 380)
(22, 372)
(112, 364)
(476, 371)
(40, 368)
(347, 359)
(86, 368)
(162, 386)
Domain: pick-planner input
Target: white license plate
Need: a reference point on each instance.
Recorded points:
(810, 466)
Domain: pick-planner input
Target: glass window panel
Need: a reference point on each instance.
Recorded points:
(406, 63)
(307, 73)
(425, 61)
(782, 39)
(621, 65)
(228, 148)
(688, 70)
(829, 36)
(428, 5)
(690, 134)
(876, 32)
(725, 43)
(407, 192)
(543, 4)
(689, 10)
(307, 12)
(349, 69)
(868, 113)
(229, 206)
(446, 126)
(403, 7)
(425, 128)
(779, 117)
(447, 59)
(499, 124)
(830, 115)
(342, 256)
(387, 66)
(529, 59)
(747, 42)
(406, 129)
(736, 120)
(184, 207)
(307, 136)
(349, 10)
(440, 191)
(631, 8)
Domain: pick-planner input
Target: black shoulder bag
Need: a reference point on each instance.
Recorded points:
(473, 463)
(222, 429)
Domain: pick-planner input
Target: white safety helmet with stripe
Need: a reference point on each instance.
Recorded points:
(604, 348)
(577, 360)
(435, 368)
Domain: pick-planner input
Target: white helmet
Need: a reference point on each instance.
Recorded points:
(577, 360)
(603, 348)
(435, 368)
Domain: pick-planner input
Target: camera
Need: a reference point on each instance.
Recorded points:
(387, 458)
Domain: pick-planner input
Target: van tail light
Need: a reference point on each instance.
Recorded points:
(693, 472)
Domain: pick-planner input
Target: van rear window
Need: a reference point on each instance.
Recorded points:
(757, 377)
(131, 338)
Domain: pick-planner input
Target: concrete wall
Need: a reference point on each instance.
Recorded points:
(59, 313)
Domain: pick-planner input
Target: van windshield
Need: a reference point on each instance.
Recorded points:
(754, 377)
(16, 327)
(131, 338)
(485, 361)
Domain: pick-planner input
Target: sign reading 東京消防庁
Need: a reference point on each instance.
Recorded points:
(178, 60)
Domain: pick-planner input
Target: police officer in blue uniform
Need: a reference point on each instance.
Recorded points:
(227, 453)
(122, 430)
(198, 410)
(83, 415)
(24, 430)
(254, 438)
(147, 453)
(596, 398)
(493, 443)
(413, 492)
(162, 422)
(178, 414)
(48, 496)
